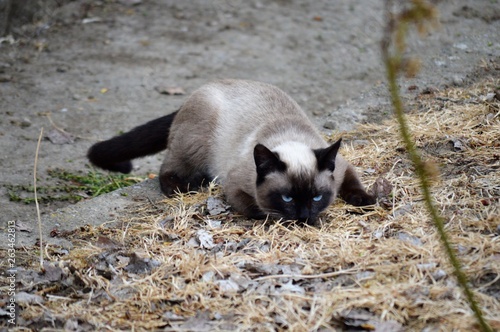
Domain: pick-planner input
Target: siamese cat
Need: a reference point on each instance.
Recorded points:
(254, 140)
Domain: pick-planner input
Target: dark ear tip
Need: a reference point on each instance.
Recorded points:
(261, 151)
(259, 148)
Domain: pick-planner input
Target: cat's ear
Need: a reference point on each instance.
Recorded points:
(326, 157)
(266, 161)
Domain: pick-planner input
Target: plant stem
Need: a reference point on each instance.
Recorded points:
(425, 186)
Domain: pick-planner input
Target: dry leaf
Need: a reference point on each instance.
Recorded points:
(382, 188)
(106, 243)
(289, 287)
(51, 272)
(25, 298)
(57, 136)
(227, 286)
(23, 227)
(205, 239)
(216, 206)
(363, 320)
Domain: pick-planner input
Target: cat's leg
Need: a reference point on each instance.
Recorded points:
(242, 202)
(352, 191)
(177, 176)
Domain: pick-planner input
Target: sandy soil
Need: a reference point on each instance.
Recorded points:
(96, 68)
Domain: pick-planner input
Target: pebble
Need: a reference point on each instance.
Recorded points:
(458, 80)
(460, 46)
(329, 124)
(24, 123)
(5, 78)
(361, 142)
(401, 211)
(439, 274)
(364, 275)
(488, 97)
(409, 238)
(440, 63)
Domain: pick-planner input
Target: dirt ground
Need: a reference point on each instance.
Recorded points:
(95, 68)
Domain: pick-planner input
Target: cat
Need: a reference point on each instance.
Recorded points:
(251, 137)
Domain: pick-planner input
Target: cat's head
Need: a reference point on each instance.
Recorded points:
(294, 181)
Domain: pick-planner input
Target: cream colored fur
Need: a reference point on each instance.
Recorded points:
(218, 127)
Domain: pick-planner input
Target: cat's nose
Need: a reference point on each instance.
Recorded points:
(304, 213)
(302, 221)
(307, 221)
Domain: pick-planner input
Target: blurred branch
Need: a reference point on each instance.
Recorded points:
(420, 14)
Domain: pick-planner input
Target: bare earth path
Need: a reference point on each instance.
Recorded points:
(97, 68)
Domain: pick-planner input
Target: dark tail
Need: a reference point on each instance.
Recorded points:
(116, 153)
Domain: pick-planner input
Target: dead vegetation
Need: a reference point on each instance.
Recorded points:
(189, 264)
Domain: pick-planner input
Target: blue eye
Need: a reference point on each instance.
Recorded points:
(286, 198)
(317, 198)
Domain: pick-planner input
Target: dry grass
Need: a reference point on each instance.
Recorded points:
(386, 264)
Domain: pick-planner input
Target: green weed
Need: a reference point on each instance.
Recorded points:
(71, 187)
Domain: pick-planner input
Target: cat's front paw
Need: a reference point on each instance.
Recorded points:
(170, 183)
(359, 197)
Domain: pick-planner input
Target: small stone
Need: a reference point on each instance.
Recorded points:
(378, 234)
(71, 325)
(169, 90)
(426, 266)
(440, 63)
(401, 211)
(5, 78)
(227, 286)
(24, 123)
(409, 238)
(488, 97)
(361, 142)
(170, 316)
(329, 124)
(460, 46)
(208, 276)
(26, 298)
(429, 90)
(439, 274)
(364, 275)
(193, 242)
(458, 80)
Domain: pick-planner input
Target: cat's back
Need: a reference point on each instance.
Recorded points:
(227, 118)
(247, 99)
